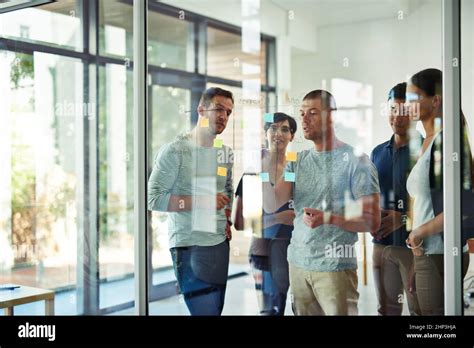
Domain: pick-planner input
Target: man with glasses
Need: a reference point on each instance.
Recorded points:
(192, 181)
(336, 195)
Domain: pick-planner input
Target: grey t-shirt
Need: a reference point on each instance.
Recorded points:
(182, 168)
(330, 181)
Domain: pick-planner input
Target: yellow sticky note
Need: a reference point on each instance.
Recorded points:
(222, 171)
(218, 143)
(291, 156)
(204, 123)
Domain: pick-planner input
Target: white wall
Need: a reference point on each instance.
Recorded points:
(382, 49)
(380, 53)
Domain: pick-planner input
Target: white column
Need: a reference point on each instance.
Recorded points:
(140, 24)
(452, 158)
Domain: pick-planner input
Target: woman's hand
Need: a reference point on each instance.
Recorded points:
(415, 242)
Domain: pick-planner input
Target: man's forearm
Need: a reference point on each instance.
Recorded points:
(433, 226)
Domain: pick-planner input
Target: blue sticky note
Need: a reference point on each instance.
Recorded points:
(290, 176)
(267, 117)
(265, 177)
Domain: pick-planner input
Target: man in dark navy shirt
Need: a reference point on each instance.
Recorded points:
(392, 260)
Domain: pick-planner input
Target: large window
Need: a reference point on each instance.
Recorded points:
(39, 24)
(171, 42)
(67, 186)
(41, 176)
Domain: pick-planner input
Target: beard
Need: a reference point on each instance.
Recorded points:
(216, 129)
(315, 136)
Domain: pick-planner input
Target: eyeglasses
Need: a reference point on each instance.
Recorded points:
(283, 129)
(220, 110)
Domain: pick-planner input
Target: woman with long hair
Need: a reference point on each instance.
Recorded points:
(424, 184)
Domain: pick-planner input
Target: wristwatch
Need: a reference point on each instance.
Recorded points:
(326, 217)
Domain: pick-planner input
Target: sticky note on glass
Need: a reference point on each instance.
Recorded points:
(204, 123)
(218, 143)
(265, 177)
(222, 171)
(267, 117)
(290, 177)
(291, 156)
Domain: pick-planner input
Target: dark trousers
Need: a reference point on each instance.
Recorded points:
(271, 276)
(202, 272)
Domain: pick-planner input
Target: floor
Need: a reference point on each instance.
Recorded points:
(240, 298)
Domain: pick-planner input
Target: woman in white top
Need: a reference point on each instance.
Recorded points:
(424, 93)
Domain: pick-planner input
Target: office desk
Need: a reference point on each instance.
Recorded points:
(26, 294)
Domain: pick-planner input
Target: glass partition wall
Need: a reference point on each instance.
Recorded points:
(67, 189)
(388, 93)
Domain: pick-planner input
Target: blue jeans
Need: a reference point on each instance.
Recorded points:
(202, 272)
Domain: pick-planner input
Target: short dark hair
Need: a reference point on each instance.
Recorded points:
(429, 81)
(210, 93)
(281, 117)
(398, 92)
(327, 99)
